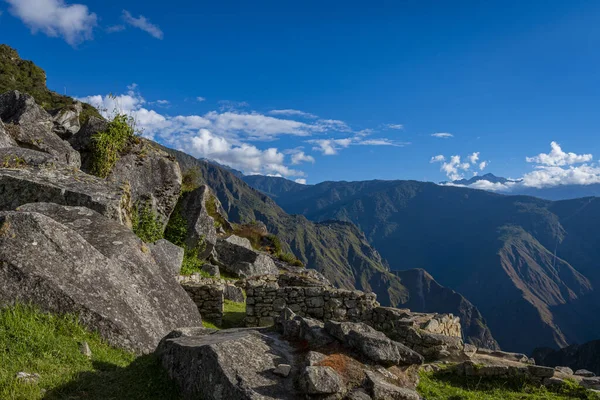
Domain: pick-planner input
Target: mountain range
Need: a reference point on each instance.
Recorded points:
(515, 187)
(528, 264)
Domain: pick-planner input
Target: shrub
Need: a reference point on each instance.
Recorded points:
(108, 144)
(146, 225)
(191, 263)
(176, 230)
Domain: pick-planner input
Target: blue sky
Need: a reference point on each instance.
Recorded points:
(375, 80)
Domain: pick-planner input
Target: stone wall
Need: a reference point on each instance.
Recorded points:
(266, 298)
(428, 334)
(208, 294)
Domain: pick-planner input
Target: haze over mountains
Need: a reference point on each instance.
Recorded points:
(526, 263)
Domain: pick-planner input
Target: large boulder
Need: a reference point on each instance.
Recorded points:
(201, 230)
(63, 186)
(319, 380)
(380, 389)
(66, 120)
(372, 344)
(241, 261)
(6, 140)
(153, 176)
(72, 259)
(232, 364)
(167, 255)
(31, 127)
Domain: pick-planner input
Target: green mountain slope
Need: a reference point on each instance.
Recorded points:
(498, 251)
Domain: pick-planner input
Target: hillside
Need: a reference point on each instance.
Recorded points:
(498, 251)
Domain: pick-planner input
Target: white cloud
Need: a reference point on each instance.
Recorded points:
(115, 28)
(380, 142)
(330, 147)
(200, 99)
(454, 168)
(301, 181)
(163, 102)
(557, 157)
(143, 23)
(73, 22)
(293, 113)
(300, 157)
(442, 135)
(473, 158)
(394, 126)
(553, 169)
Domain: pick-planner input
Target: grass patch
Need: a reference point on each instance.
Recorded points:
(233, 314)
(36, 342)
(190, 179)
(191, 263)
(444, 386)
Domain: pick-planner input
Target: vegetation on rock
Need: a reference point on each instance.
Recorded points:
(146, 224)
(35, 342)
(108, 144)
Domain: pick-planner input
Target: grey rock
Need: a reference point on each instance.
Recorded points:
(540, 372)
(72, 259)
(518, 357)
(243, 262)
(66, 120)
(373, 344)
(585, 373)
(6, 140)
(26, 377)
(283, 370)
(84, 348)
(19, 157)
(32, 127)
(212, 270)
(229, 364)
(201, 231)
(469, 350)
(167, 255)
(382, 390)
(564, 370)
(63, 186)
(313, 332)
(553, 381)
(321, 380)
(358, 394)
(234, 293)
(82, 140)
(591, 383)
(153, 178)
(314, 358)
(240, 241)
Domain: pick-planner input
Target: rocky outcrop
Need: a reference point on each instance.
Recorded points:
(373, 344)
(167, 255)
(72, 259)
(153, 177)
(82, 140)
(63, 186)
(66, 120)
(19, 157)
(241, 261)
(31, 127)
(231, 364)
(201, 230)
(5, 139)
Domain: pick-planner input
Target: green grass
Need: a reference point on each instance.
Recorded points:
(36, 342)
(442, 386)
(233, 316)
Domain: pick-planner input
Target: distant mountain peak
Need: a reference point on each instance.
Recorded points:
(487, 177)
